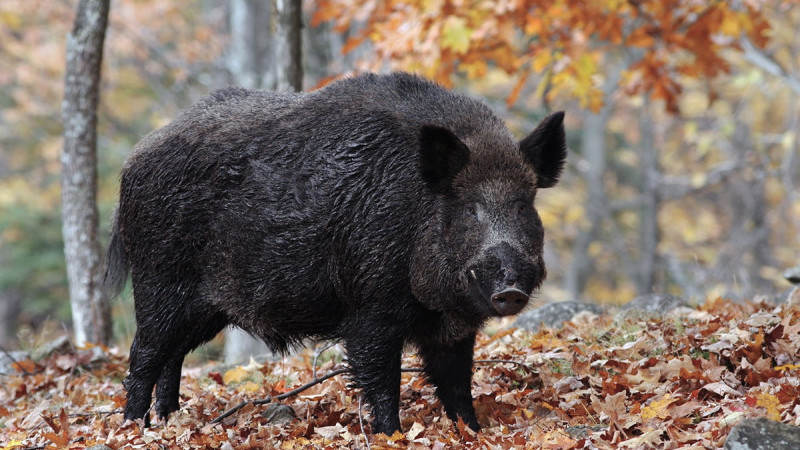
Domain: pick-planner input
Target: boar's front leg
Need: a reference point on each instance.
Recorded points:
(374, 358)
(449, 368)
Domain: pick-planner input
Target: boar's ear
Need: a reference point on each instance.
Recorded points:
(442, 156)
(546, 149)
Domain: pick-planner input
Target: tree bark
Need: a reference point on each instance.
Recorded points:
(288, 39)
(651, 203)
(10, 306)
(91, 315)
(594, 152)
(250, 57)
(254, 61)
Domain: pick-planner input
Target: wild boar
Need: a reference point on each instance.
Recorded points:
(380, 211)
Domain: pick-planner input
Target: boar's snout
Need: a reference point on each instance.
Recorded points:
(504, 278)
(509, 301)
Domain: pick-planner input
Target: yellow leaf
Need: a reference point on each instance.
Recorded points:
(541, 60)
(235, 375)
(730, 23)
(771, 404)
(11, 19)
(250, 387)
(456, 34)
(431, 6)
(657, 408)
(698, 180)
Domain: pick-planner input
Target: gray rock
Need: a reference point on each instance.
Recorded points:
(793, 274)
(789, 296)
(278, 413)
(553, 314)
(8, 359)
(60, 344)
(584, 431)
(762, 433)
(655, 304)
(99, 447)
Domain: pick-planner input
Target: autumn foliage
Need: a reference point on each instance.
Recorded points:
(635, 382)
(571, 42)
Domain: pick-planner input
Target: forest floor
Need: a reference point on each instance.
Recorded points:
(683, 380)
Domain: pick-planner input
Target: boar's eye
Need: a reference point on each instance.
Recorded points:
(471, 210)
(520, 207)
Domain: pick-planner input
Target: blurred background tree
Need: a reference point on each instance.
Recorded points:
(91, 312)
(682, 119)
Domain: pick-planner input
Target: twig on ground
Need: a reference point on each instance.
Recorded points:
(96, 413)
(503, 361)
(14, 361)
(361, 423)
(332, 374)
(317, 354)
(285, 395)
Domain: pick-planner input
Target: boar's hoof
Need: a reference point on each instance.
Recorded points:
(509, 301)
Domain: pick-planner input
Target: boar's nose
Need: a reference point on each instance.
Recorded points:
(509, 301)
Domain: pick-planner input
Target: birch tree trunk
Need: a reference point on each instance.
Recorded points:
(593, 147)
(251, 61)
(594, 151)
(289, 48)
(649, 234)
(250, 58)
(91, 315)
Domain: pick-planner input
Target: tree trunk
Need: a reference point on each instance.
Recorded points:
(288, 39)
(91, 315)
(252, 64)
(594, 152)
(250, 58)
(10, 303)
(593, 148)
(651, 203)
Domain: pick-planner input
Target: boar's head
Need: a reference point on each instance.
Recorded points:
(483, 249)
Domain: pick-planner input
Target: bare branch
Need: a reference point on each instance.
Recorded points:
(768, 64)
(332, 374)
(14, 361)
(281, 396)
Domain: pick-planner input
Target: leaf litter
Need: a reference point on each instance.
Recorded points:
(681, 381)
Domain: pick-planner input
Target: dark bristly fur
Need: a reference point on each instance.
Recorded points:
(382, 210)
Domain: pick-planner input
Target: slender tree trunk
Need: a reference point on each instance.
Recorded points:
(594, 151)
(91, 314)
(651, 203)
(10, 303)
(593, 148)
(250, 57)
(249, 63)
(289, 48)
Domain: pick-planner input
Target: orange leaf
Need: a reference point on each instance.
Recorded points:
(465, 432)
(512, 97)
(26, 365)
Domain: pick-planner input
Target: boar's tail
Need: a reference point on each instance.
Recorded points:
(116, 263)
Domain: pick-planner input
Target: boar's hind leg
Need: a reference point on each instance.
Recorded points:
(449, 368)
(144, 368)
(168, 384)
(163, 338)
(374, 360)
